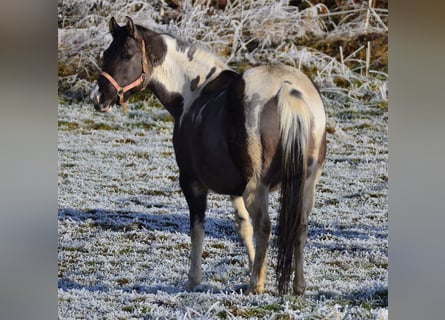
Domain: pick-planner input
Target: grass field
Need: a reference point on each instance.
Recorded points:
(123, 222)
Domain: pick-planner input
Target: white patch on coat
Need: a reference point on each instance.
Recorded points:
(177, 70)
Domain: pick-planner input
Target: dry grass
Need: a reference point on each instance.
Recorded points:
(342, 45)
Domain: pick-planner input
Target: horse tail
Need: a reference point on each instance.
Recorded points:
(294, 118)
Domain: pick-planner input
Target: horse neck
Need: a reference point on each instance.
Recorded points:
(182, 74)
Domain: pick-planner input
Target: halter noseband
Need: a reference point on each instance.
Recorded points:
(139, 81)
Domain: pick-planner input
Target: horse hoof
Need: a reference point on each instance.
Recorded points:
(257, 291)
(190, 286)
(299, 290)
(249, 290)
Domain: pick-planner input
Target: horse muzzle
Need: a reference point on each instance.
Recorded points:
(95, 96)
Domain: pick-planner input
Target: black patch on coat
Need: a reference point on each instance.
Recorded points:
(209, 139)
(310, 161)
(295, 93)
(191, 53)
(222, 81)
(236, 125)
(172, 101)
(183, 46)
(212, 71)
(194, 83)
(155, 46)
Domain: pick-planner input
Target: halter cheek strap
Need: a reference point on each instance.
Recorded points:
(139, 81)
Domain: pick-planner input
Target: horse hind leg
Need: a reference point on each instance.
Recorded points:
(196, 197)
(299, 284)
(257, 205)
(244, 227)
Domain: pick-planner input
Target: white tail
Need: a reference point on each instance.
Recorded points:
(295, 124)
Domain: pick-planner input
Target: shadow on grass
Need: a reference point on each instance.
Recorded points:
(370, 298)
(124, 221)
(66, 285)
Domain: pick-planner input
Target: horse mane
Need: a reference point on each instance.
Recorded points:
(190, 48)
(197, 53)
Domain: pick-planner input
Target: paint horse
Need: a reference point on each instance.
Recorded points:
(243, 135)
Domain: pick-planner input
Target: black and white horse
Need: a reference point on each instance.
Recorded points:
(243, 135)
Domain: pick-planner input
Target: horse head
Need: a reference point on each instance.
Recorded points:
(126, 65)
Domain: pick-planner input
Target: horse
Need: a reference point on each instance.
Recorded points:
(239, 134)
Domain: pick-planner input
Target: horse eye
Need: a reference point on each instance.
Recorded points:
(127, 56)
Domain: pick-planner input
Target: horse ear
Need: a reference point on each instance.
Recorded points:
(112, 25)
(131, 27)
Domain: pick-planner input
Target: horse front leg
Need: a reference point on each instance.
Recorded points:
(196, 196)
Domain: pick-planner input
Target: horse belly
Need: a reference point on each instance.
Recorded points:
(217, 171)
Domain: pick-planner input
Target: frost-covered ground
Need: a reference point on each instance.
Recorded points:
(123, 225)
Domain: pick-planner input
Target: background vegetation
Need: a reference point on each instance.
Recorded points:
(341, 44)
